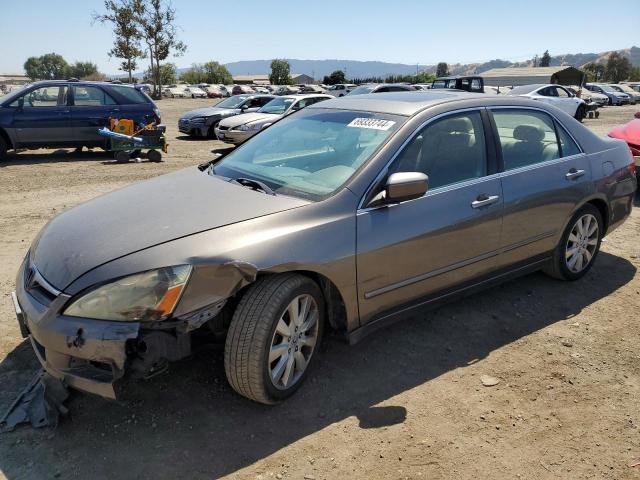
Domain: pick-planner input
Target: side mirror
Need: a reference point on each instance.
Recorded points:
(403, 186)
(244, 107)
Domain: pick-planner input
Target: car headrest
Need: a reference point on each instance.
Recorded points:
(458, 125)
(528, 133)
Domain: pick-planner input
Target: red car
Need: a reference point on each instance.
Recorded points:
(630, 133)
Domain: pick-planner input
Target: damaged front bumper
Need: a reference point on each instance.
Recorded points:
(88, 355)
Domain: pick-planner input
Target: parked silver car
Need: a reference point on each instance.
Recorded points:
(346, 215)
(239, 128)
(202, 122)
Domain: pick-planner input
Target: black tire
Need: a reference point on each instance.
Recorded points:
(581, 112)
(121, 156)
(3, 149)
(211, 133)
(154, 156)
(558, 267)
(253, 329)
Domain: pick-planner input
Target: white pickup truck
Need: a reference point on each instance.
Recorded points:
(340, 89)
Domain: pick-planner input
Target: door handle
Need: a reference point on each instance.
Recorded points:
(573, 174)
(484, 200)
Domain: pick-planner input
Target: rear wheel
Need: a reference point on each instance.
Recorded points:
(154, 156)
(579, 245)
(3, 149)
(273, 337)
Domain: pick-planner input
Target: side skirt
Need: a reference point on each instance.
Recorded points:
(440, 298)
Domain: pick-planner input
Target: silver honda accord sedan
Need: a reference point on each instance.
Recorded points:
(345, 215)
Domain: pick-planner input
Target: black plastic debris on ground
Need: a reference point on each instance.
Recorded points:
(40, 403)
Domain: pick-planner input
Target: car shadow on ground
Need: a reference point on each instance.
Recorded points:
(35, 157)
(188, 423)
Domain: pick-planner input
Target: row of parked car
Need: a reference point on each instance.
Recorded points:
(205, 90)
(252, 111)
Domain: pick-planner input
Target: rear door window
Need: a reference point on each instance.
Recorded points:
(527, 137)
(87, 96)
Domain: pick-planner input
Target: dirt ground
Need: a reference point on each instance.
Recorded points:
(407, 402)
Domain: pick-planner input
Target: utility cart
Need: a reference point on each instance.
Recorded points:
(126, 143)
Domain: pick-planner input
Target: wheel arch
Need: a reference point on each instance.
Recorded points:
(334, 300)
(5, 136)
(603, 207)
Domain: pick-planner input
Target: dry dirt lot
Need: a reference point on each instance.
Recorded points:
(407, 402)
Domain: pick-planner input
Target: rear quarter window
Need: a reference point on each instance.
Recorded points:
(130, 95)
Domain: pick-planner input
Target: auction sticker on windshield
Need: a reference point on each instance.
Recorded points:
(373, 123)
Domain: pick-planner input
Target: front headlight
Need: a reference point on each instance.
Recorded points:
(198, 120)
(146, 296)
(250, 127)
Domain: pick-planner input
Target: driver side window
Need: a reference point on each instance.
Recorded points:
(448, 151)
(51, 96)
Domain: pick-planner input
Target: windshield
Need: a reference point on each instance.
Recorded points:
(362, 89)
(312, 153)
(438, 84)
(521, 90)
(232, 102)
(277, 106)
(607, 88)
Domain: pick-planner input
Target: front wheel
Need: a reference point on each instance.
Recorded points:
(211, 133)
(581, 112)
(274, 335)
(579, 245)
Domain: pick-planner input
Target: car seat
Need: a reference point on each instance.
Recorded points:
(528, 148)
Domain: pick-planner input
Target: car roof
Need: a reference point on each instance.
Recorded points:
(298, 96)
(412, 102)
(81, 82)
(397, 103)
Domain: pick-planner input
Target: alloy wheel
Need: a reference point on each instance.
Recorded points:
(582, 243)
(294, 340)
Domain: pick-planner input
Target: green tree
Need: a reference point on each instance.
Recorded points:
(157, 21)
(168, 74)
(194, 75)
(124, 16)
(595, 71)
(217, 73)
(280, 72)
(545, 61)
(442, 70)
(634, 75)
(83, 70)
(335, 77)
(618, 67)
(50, 66)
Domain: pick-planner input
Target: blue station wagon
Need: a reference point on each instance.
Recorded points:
(68, 113)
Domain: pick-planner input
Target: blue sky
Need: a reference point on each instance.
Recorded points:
(405, 31)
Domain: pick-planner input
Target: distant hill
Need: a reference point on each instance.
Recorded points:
(319, 68)
(359, 69)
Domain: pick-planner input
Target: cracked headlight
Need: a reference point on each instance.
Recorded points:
(146, 296)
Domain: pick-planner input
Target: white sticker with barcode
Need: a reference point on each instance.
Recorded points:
(373, 123)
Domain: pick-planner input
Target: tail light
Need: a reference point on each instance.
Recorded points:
(632, 165)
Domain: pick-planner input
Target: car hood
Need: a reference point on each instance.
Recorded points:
(209, 112)
(144, 215)
(249, 118)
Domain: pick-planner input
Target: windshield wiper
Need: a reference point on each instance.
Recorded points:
(254, 185)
